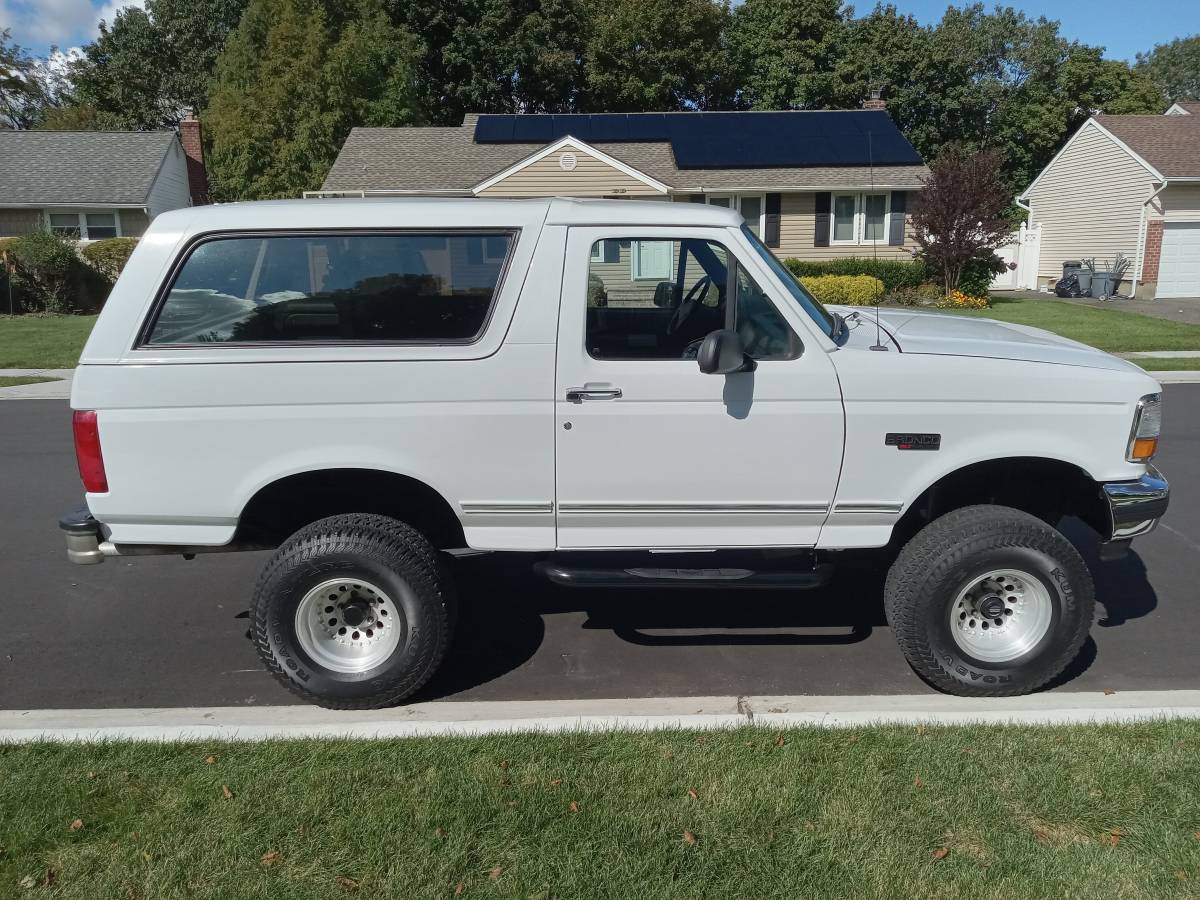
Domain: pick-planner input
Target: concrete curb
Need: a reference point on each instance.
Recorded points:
(493, 717)
(1185, 377)
(48, 390)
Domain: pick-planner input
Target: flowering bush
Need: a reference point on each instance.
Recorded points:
(959, 300)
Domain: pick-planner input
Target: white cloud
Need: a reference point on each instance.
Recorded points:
(41, 23)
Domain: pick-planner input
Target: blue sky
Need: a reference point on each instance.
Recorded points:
(1119, 25)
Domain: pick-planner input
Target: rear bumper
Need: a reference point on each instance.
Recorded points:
(1136, 506)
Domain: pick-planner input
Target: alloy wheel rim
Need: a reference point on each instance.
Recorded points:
(1001, 615)
(348, 625)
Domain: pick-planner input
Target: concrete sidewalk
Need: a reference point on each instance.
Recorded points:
(46, 390)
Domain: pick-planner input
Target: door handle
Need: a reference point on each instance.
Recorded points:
(590, 392)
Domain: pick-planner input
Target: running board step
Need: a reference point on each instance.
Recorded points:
(644, 577)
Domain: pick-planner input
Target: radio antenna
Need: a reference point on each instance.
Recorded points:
(878, 345)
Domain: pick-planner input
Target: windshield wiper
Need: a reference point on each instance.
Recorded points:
(839, 325)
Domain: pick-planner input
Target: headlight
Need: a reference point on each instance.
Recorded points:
(1147, 425)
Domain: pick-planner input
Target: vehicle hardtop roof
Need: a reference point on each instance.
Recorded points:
(438, 212)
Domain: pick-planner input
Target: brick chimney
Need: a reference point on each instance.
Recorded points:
(875, 101)
(193, 149)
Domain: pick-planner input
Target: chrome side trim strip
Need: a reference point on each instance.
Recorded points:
(603, 509)
(506, 509)
(868, 508)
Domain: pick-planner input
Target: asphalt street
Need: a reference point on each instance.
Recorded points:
(161, 631)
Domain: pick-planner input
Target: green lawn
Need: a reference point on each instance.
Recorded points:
(973, 812)
(17, 380)
(43, 342)
(1164, 364)
(1113, 330)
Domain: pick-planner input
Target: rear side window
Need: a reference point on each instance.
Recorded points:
(426, 288)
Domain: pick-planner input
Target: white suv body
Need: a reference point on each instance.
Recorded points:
(546, 394)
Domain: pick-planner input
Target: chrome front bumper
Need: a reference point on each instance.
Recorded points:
(1136, 506)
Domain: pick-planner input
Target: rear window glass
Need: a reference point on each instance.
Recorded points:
(380, 287)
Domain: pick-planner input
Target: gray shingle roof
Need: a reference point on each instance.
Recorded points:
(1169, 143)
(79, 167)
(448, 159)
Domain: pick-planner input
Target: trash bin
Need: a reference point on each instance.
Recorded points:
(1085, 282)
(1072, 267)
(1103, 284)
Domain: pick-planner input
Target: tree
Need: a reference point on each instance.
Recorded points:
(294, 78)
(24, 96)
(147, 67)
(959, 215)
(1174, 68)
(496, 55)
(657, 55)
(785, 52)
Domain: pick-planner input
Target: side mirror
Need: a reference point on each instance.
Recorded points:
(722, 353)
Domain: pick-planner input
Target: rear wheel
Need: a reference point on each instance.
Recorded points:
(989, 601)
(353, 612)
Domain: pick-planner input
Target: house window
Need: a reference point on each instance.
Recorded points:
(860, 218)
(85, 226)
(651, 260)
(751, 206)
(597, 252)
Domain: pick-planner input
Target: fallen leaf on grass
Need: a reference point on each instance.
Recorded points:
(226, 792)
(504, 763)
(917, 782)
(269, 858)
(48, 878)
(459, 888)
(210, 759)
(146, 855)
(346, 884)
(941, 853)
(1108, 692)
(440, 831)
(91, 775)
(27, 883)
(574, 807)
(555, 782)
(692, 793)
(689, 838)
(1112, 838)
(779, 741)
(1042, 836)
(77, 824)
(496, 873)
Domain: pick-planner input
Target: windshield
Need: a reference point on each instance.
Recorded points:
(807, 301)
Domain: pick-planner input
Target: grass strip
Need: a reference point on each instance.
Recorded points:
(1168, 364)
(975, 811)
(18, 380)
(1113, 330)
(43, 342)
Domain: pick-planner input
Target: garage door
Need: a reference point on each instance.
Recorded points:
(1179, 266)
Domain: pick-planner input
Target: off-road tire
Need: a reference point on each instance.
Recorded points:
(383, 551)
(941, 560)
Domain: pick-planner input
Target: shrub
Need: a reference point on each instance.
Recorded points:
(108, 257)
(894, 273)
(46, 272)
(977, 274)
(852, 290)
(925, 294)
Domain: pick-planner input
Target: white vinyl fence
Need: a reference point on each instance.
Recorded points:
(1025, 251)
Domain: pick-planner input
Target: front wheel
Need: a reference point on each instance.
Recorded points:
(353, 612)
(988, 601)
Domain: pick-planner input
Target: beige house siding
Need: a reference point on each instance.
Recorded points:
(1089, 203)
(591, 177)
(134, 222)
(19, 221)
(798, 229)
(1180, 203)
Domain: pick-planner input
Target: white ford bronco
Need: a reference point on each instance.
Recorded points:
(634, 394)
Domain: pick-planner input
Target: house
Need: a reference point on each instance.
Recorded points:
(1125, 184)
(97, 184)
(813, 185)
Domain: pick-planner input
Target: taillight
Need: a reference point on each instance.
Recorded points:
(87, 451)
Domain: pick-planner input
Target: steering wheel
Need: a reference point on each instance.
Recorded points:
(689, 304)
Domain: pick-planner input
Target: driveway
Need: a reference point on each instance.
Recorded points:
(160, 631)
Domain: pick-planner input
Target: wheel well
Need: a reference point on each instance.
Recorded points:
(1046, 488)
(283, 507)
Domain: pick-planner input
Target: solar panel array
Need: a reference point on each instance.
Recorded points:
(724, 140)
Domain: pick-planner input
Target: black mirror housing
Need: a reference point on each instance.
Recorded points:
(722, 353)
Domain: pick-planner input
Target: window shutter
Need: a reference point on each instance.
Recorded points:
(824, 202)
(696, 198)
(771, 225)
(612, 252)
(896, 223)
(475, 251)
